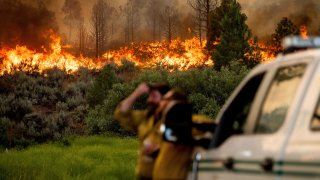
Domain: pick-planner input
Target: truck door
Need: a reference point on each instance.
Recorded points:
(251, 130)
(302, 153)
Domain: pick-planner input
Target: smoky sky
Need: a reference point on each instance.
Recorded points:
(24, 21)
(263, 15)
(23, 24)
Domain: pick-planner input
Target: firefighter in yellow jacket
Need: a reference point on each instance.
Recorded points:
(178, 133)
(174, 158)
(146, 123)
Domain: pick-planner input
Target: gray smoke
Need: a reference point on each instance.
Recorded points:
(25, 24)
(263, 15)
(143, 21)
(22, 21)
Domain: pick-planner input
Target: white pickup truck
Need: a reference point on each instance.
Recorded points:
(269, 127)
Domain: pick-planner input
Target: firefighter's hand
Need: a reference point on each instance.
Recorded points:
(126, 104)
(143, 88)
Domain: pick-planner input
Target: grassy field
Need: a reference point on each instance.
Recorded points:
(94, 157)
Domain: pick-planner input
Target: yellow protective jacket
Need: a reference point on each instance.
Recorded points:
(174, 160)
(149, 136)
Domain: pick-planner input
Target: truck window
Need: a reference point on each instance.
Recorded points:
(315, 122)
(279, 98)
(234, 118)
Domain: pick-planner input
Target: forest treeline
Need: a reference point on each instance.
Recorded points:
(102, 25)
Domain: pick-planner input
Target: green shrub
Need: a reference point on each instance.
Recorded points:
(55, 77)
(75, 101)
(4, 140)
(152, 76)
(5, 101)
(207, 90)
(35, 125)
(96, 121)
(44, 107)
(61, 106)
(198, 101)
(100, 119)
(55, 104)
(84, 74)
(126, 66)
(102, 84)
(18, 108)
(211, 108)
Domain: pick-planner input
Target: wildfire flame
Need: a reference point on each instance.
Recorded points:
(304, 31)
(177, 55)
(10, 59)
(267, 52)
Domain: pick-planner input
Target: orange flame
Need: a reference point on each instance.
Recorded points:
(178, 55)
(304, 31)
(267, 51)
(55, 57)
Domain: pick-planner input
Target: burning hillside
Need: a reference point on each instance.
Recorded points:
(179, 55)
(24, 59)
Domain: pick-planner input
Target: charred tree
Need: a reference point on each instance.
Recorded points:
(83, 36)
(199, 24)
(131, 14)
(170, 21)
(203, 8)
(101, 14)
(153, 14)
(73, 15)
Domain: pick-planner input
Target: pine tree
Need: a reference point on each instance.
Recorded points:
(284, 28)
(233, 38)
(216, 17)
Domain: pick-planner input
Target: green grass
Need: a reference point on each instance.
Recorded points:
(93, 157)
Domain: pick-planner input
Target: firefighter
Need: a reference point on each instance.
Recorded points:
(176, 149)
(177, 145)
(145, 123)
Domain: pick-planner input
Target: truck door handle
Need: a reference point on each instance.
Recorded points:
(267, 165)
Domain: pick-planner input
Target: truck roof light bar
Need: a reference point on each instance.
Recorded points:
(294, 43)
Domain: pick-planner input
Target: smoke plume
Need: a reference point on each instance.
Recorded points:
(24, 24)
(25, 21)
(263, 16)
